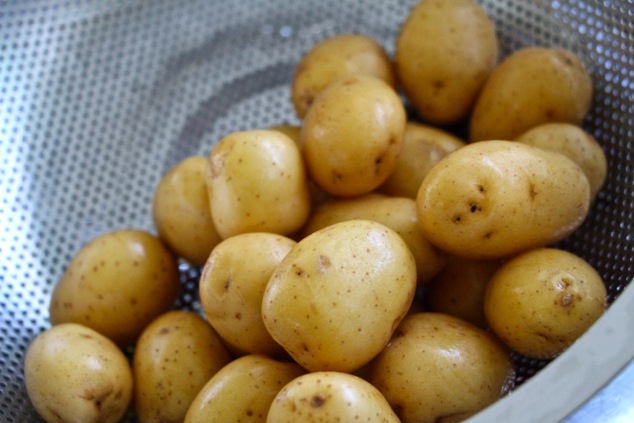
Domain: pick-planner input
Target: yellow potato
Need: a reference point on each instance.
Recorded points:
(576, 144)
(117, 284)
(540, 302)
(232, 285)
(335, 299)
(397, 213)
(257, 183)
(242, 391)
(173, 359)
(423, 147)
(459, 288)
(439, 367)
(330, 397)
(352, 135)
(181, 212)
(445, 51)
(334, 58)
(75, 374)
(533, 85)
(494, 199)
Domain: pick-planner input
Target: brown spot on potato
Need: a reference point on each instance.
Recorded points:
(566, 300)
(323, 263)
(318, 400)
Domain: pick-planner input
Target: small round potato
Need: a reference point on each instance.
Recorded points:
(494, 199)
(459, 288)
(353, 135)
(242, 391)
(540, 302)
(397, 213)
(232, 285)
(533, 85)
(173, 359)
(423, 147)
(445, 51)
(181, 211)
(75, 374)
(117, 284)
(335, 299)
(257, 183)
(576, 144)
(334, 58)
(330, 397)
(441, 368)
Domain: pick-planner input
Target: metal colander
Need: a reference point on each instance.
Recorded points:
(99, 98)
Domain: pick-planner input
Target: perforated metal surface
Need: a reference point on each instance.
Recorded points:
(98, 99)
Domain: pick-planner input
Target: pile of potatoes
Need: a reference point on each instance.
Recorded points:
(361, 266)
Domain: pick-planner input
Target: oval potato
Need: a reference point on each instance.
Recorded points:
(540, 302)
(441, 368)
(335, 299)
(232, 285)
(242, 391)
(445, 51)
(330, 397)
(257, 183)
(181, 212)
(533, 85)
(73, 373)
(334, 58)
(494, 199)
(117, 284)
(173, 359)
(352, 135)
(575, 143)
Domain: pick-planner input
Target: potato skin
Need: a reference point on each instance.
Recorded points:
(173, 359)
(242, 391)
(533, 85)
(494, 199)
(330, 397)
(335, 299)
(352, 135)
(181, 212)
(335, 58)
(232, 285)
(575, 143)
(439, 367)
(423, 147)
(445, 51)
(117, 284)
(397, 213)
(540, 302)
(257, 183)
(73, 373)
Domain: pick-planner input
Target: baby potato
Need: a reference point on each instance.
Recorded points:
(257, 183)
(397, 213)
(336, 57)
(459, 288)
(440, 368)
(117, 284)
(232, 286)
(423, 147)
(335, 299)
(173, 359)
(445, 51)
(352, 135)
(242, 391)
(540, 302)
(576, 144)
(533, 85)
(75, 374)
(494, 199)
(330, 397)
(181, 212)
